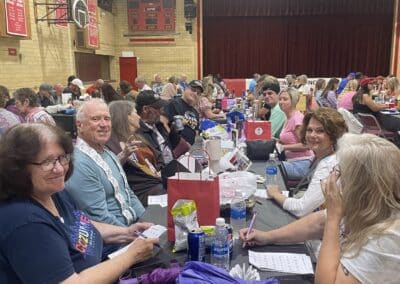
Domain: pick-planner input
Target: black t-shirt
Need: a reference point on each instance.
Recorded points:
(178, 106)
(37, 247)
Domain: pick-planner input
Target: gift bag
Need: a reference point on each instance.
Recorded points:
(257, 130)
(201, 188)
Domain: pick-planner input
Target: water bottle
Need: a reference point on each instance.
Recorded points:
(220, 245)
(238, 214)
(271, 172)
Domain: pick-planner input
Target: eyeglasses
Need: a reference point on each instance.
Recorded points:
(48, 165)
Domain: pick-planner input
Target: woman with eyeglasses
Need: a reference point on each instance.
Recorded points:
(320, 131)
(44, 237)
(360, 228)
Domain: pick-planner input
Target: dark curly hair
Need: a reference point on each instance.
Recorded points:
(332, 121)
(18, 148)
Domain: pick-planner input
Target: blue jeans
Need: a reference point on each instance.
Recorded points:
(297, 169)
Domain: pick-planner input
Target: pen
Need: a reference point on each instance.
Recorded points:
(250, 226)
(139, 234)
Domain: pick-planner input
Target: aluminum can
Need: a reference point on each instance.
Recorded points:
(230, 239)
(196, 245)
(178, 119)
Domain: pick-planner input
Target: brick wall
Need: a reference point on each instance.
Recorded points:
(49, 55)
(46, 57)
(165, 59)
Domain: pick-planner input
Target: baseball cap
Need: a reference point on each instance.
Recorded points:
(46, 87)
(367, 80)
(196, 84)
(77, 82)
(149, 98)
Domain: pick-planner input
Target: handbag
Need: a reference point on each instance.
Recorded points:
(202, 188)
(259, 150)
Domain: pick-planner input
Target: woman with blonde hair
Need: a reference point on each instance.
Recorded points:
(298, 155)
(393, 87)
(360, 228)
(205, 103)
(345, 99)
(169, 91)
(367, 246)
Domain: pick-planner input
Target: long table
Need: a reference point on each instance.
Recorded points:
(389, 121)
(270, 216)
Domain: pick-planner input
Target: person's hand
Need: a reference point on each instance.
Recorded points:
(273, 191)
(139, 227)
(254, 238)
(142, 249)
(333, 197)
(130, 147)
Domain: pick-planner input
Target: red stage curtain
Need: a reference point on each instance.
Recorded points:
(320, 40)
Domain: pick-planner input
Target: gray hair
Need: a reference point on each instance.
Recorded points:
(81, 113)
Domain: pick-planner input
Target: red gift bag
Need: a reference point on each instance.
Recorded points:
(204, 190)
(257, 130)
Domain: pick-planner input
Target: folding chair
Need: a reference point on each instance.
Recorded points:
(372, 126)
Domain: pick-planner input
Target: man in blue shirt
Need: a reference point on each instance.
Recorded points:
(98, 184)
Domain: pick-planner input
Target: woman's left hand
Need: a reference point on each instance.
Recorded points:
(333, 197)
(138, 227)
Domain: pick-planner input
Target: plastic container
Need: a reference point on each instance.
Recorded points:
(238, 214)
(220, 245)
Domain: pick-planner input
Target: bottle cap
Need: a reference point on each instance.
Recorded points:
(220, 221)
(271, 156)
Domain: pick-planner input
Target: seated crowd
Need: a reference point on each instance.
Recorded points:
(85, 197)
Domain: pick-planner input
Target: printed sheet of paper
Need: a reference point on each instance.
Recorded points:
(154, 231)
(161, 200)
(282, 262)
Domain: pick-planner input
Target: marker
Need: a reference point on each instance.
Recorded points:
(250, 226)
(139, 234)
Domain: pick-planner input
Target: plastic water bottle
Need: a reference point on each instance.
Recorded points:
(271, 172)
(220, 245)
(238, 214)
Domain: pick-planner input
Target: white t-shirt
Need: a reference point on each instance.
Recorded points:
(378, 260)
(313, 197)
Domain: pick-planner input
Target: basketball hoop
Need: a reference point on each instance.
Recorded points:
(80, 13)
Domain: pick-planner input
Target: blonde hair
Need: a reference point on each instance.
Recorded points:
(293, 95)
(353, 85)
(208, 86)
(393, 84)
(370, 186)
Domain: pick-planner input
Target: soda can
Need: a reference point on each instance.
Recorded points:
(230, 239)
(196, 245)
(178, 120)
